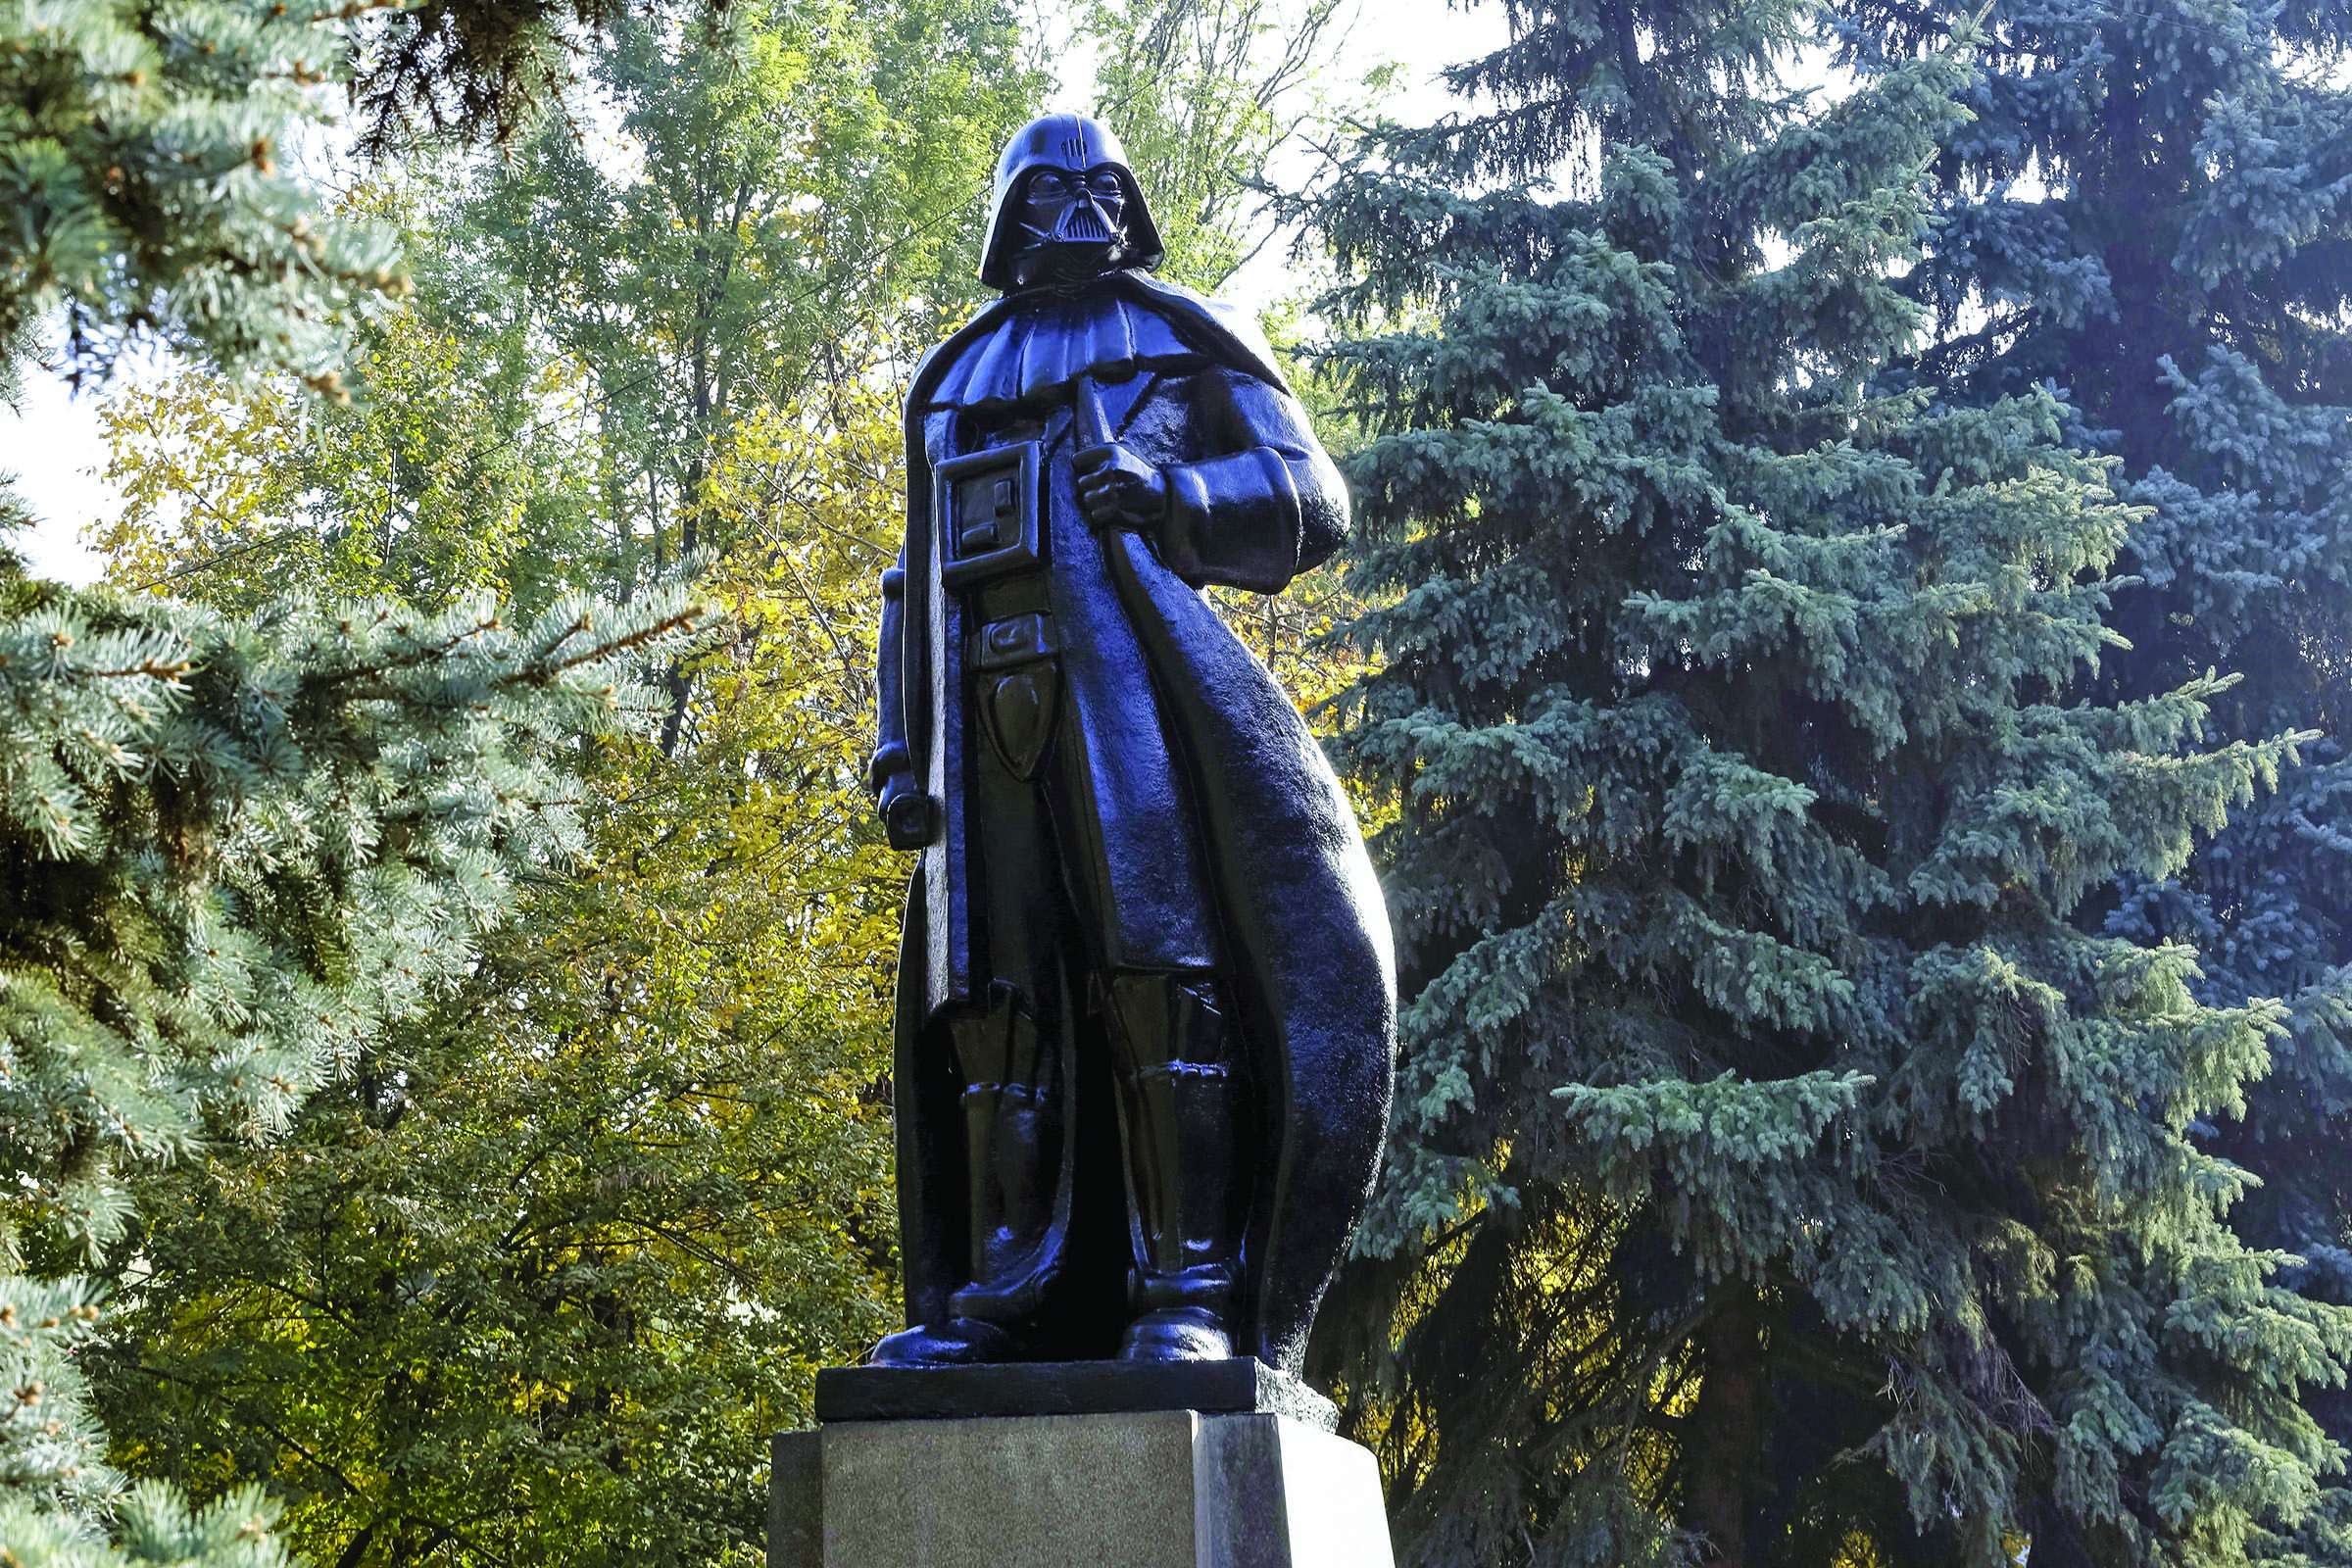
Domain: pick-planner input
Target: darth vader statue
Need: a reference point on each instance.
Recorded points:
(1146, 1002)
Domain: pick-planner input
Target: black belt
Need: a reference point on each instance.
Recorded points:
(1025, 594)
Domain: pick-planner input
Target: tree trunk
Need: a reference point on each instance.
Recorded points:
(1727, 1425)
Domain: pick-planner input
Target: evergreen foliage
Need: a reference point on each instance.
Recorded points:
(1782, 1174)
(143, 162)
(2152, 209)
(233, 852)
(147, 152)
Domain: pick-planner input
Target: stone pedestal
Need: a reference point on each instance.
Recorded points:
(1146, 1488)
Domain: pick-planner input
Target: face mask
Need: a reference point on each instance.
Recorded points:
(1074, 225)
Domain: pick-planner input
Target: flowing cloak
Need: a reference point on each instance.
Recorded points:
(1304, 933)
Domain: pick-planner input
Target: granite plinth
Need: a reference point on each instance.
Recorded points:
(1237, 1386)
(1141, 1489)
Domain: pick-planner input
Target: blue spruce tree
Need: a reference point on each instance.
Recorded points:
(231, 853)
(1783, 1172)
(146, 166)
(229, 848)
(2152, 212)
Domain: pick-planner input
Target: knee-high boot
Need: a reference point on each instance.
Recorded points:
(1180, 1102)
(1012, 1162)
(1017, 1174)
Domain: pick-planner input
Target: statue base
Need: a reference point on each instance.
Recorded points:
(943, 1468)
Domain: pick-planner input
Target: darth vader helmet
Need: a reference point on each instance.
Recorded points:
(1066, 204)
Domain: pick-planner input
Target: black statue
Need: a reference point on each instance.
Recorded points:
(1147, 1004)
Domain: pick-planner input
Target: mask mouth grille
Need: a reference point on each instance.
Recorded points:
(1083, 225)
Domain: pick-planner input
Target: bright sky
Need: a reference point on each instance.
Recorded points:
(50, 442)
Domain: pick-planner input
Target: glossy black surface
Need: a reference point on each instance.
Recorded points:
(1146, 1001)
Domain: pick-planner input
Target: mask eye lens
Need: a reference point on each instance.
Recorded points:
(1046, 186)
(1105, 184)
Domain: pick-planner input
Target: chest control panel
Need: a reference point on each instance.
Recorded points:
(986, 504)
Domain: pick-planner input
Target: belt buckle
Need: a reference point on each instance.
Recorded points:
(1014, 640)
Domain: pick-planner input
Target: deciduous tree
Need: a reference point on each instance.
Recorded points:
(537, 1282)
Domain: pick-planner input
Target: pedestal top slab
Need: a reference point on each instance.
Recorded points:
(1239, 1384)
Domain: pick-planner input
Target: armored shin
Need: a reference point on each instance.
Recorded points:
(1013, 1140)
(1179, 1108)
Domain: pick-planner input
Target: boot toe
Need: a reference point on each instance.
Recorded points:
(1179, 1333)
(959, 1341)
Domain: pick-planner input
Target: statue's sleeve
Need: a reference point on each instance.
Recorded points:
(1268, 507)
(891, 755)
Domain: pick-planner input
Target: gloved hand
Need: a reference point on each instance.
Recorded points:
(909, 817)
(1116, 489)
